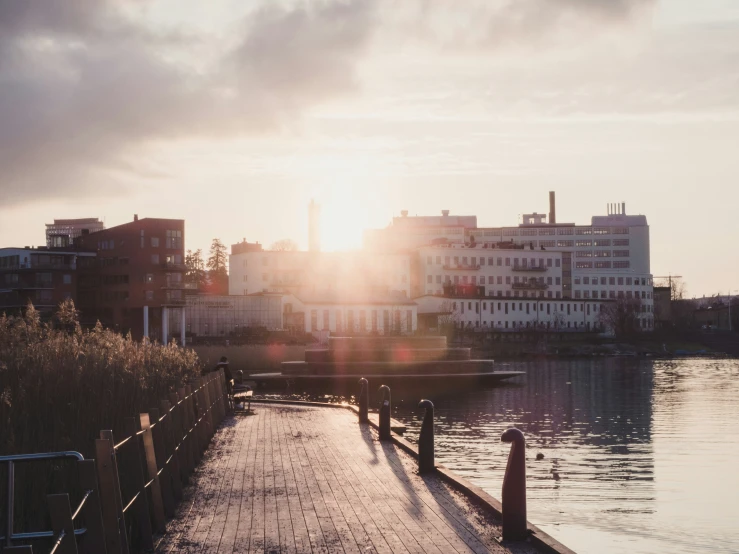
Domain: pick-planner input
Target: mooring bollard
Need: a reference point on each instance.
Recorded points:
(385, 413)
(514, 488)
(364, 401)
(426, 439)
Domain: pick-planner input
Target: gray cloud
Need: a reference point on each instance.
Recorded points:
(83, 88)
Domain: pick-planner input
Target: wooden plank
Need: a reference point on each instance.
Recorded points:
(60, 513)
(93, 541)
(132, 466)
(160, 455)
(116, 538)
(152, 476)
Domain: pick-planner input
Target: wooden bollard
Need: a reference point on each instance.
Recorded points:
(514, 488)
(426, 439)
(364, 401)
(385, 406)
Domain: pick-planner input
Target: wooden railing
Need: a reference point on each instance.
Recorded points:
(133, 486)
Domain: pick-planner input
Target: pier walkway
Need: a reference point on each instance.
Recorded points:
(312, 479)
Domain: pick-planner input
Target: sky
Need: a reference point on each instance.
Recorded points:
(234, 114)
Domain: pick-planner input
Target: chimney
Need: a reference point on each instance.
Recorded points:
(552, 208)
(404, 213)
(445, 213)
(623, 208)
(135, 217)
(314, 239)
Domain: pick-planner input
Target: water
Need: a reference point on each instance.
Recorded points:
(640, 456)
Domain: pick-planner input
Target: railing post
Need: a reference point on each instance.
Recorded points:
(160, 452)
(116, 537)
(93, 541)
(152, 475)
(426, 439)
(364, 401)
(514, 488)
(385, 407)
(140, 507)
(60, 514)
(173, 470)
(177, 430)
(10, 506)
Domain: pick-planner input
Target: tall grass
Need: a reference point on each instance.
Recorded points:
(60, 385)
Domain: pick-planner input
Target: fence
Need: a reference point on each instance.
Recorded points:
(132, 486)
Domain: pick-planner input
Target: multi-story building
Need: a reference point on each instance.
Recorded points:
(42, 276)
(63, 232)
(608, 259)
(136, 281)
(252, 270)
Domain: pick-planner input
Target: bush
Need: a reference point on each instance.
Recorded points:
(60, 385)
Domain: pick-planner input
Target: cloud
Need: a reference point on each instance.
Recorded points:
(84, 85)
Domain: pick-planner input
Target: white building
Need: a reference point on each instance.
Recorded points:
(219, 316)
(508, 313)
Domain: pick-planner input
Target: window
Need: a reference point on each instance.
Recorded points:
(500, 261)
(547, 243)
(584, 231)
(620, 242)
(438, 260)
(620, 230)
(628, 280)
(155, 258)
(149, 278)
(602, 265)
(154, 242)
(490, 261)
(557, 262)
(577, 280)
(611, 280)
(446, 260)
(583, 243)
(565, 231)
(429, 279)
(602, 242)
(438, 279)
(528, 232)
(143, 240)
(149, 295)
(601, 230)
(620, 253)
(314, 320)
(67, 279)
(507, 262)
(543, 232)
(491, 280)
(565, 243)
(611, 294)
(464, 279)
(508, 280)
(621, 265)
(174, 238)
(510, 232)
(499, 280)
(583, 254)
(620, 280)
(602, 253)
(557, 281)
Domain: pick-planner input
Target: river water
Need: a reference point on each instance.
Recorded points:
(639, 456)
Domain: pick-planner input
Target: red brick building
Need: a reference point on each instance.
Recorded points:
(45, 277)
(136, 281)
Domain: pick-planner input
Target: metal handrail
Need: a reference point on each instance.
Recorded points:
(11, 461)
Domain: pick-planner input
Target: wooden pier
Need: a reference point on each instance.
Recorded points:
(291, 478)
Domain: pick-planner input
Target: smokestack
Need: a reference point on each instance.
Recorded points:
(623, 208)
(314, 238)
(135, 217)
(552, 208)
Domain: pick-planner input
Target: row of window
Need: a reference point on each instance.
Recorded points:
(562, 231)
(492, 280)
(474, 261)
(360, 323)
(603, 265)
(585, 325)
(528, 307)
(612, 294)
(643, 281)
(509, 293)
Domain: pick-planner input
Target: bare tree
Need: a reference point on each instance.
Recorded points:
(448, 319)
(284, 245)
(621, 316)
(678, 290)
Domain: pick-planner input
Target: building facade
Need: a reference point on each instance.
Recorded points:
(220, 316)
(63, 232)
(136, 280)
(41, 276)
